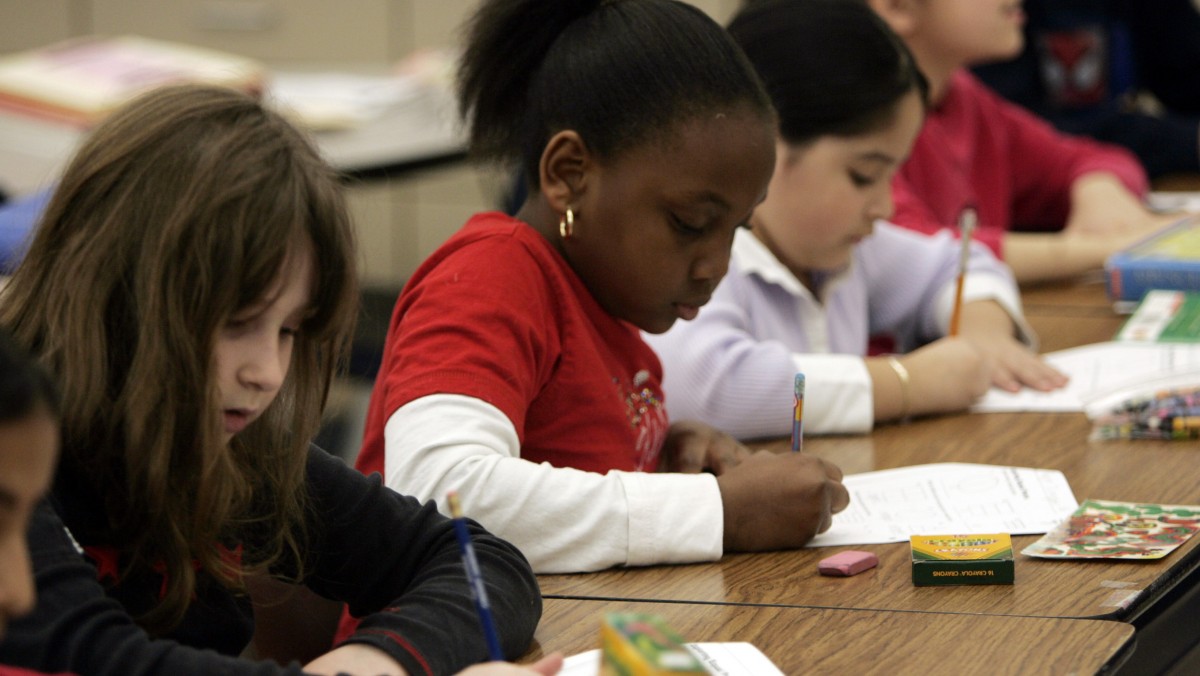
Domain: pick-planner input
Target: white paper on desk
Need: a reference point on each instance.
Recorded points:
(723, 659)
(945, 498)
(1102, 372)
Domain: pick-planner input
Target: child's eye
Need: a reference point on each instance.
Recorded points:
(682, 226)
(237, 324)
(861, 180)
(289, 331)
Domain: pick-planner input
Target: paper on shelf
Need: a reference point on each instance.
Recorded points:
(722, 659)
(334, 100)
(943, 498)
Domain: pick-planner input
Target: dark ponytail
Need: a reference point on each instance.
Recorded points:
(832, 67)
(619, 72)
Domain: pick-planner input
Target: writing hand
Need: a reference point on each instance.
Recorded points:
(779, 501)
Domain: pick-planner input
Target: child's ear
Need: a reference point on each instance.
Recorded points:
(563, 170)
(899, 14)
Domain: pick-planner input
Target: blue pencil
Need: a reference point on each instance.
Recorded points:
(475, 579)
(798, 416)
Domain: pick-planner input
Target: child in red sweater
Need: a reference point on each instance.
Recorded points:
(1050, 204)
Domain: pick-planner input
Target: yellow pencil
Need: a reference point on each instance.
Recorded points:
(966, 228)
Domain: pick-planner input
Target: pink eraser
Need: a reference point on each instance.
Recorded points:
(845, 564)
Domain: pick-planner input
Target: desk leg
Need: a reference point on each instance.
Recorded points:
(1168, 642)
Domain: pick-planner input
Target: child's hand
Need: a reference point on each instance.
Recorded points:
(779, 500)
(1101, 206)
(355, 658)
(1015, 366)
(694, 447)
(547, 666)
(946, 375)
(987, 326)
(370, 661)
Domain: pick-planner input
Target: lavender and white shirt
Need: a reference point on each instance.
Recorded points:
(734, 365)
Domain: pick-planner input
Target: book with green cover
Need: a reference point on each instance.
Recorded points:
(1164, 316)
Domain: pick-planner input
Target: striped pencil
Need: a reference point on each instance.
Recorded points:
(798, 415)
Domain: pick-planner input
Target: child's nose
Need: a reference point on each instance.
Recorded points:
(17, 595)
(882, 206)
(264, 368)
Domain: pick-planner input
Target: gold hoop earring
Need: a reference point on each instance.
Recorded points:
(566, 225)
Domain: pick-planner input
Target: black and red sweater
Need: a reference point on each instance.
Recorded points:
(392, 560)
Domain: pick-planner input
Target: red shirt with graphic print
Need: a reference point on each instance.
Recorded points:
(497, 314)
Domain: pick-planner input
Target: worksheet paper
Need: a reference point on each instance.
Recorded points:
(1103, 374)
(948, 498)
(722, 659)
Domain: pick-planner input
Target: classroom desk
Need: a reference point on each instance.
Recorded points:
(1160, 598)
(1139, 471)
(830, 641)
(1070, 313)
(1082, 297)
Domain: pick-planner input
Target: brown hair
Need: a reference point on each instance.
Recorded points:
(178, 211)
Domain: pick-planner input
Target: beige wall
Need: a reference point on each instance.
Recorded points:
(345, 30)
(400, 222)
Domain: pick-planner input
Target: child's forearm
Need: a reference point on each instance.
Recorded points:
(986, 318)
(1039, 257)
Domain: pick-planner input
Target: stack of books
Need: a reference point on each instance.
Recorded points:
(1169, 259)
(80, 81)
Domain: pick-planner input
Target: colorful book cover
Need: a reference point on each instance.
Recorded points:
(1164, 316)
(1169, 259)
(1103, 529)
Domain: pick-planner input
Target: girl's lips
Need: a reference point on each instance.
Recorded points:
(687, 312)
(236, 420)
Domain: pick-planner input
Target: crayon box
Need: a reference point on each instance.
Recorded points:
(961, 559)
(636, 644)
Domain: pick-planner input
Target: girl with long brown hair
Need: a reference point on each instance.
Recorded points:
(192, 287)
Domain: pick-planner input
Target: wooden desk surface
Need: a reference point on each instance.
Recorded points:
(1071, 313)
(830, 641)
(1086, 296)
(1164, 472)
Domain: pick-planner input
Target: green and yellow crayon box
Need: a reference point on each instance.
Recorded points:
(962, 559)
(636, 644)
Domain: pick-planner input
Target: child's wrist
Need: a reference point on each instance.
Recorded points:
(905, 386)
